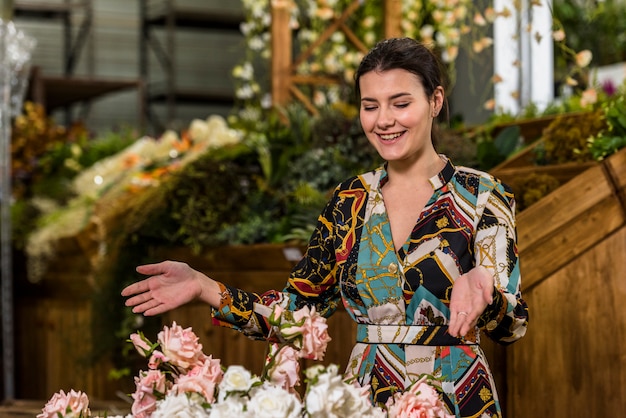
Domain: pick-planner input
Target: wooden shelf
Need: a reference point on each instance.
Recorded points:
(195, 96)
(198, 19)
(61, 92)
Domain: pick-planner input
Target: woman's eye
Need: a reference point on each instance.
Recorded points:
(368, 108)
(402, 105)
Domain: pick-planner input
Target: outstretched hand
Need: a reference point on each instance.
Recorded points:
(471, 293)
(170, 285)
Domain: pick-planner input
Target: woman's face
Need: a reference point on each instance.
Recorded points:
(396, 115)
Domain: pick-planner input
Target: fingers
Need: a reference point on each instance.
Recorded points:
(138, 299)
(157, 310)
(461, 322)
(461, 326)
(488, 295)
(134, 289)
(149, 307)
(151, 269)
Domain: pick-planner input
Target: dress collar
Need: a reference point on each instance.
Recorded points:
(445, 175)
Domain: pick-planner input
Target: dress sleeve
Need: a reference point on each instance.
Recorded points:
(506, 319)
(312, 282)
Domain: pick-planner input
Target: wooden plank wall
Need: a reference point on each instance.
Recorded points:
(572, 245)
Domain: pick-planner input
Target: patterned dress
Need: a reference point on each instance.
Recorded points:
(400, 299)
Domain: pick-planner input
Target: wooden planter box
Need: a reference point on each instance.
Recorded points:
(572, 245)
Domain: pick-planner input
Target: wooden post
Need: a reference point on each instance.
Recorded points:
(281, 52)
(392, 18)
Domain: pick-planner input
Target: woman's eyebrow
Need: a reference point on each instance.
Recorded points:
(392, 97)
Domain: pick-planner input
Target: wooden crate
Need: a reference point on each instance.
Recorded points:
(572, 244)
(55, 334)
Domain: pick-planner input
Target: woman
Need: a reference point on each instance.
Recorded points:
(421, 253)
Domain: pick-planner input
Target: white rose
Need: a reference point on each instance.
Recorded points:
(233, 406)
(325, 401)
(356, 402)
(269, 401)
(223, 138)
(314, 371)
(180, 406)
(163, 146)
(331, 397)
(198, 130)
(236, 379)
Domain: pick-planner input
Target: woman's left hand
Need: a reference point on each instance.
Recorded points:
(471, 293)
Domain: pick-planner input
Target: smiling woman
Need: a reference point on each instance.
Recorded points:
(421, 253)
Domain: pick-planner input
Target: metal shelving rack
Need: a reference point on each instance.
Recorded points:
(68, 89)
(166, 16)
(73, 45)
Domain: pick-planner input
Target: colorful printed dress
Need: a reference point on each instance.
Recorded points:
(399, 299)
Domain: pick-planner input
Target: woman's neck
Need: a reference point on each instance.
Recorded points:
(419, 170)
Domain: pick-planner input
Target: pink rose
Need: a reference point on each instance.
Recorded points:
(202, 379)
(180, 346)
(314, 330)
(141, 344)
(156, 359)
(74, 403)
(150, 387)
(420, 400)
(276, 315)
(285, 370)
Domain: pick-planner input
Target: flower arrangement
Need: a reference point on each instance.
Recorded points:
(182, 381)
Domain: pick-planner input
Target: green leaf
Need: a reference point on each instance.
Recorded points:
(508, 140)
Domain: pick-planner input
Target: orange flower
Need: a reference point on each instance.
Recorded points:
(479, 19)
(583, 58)
(131, 160)
(490, 14)
(559, 35)
(481, 44)
(589, 97)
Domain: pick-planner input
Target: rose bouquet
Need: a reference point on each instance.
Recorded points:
(182, 381)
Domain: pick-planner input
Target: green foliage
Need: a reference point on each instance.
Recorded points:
(566, 138)
(613, 138)
(597, 26)
(490, 153)
(301, 158)
(23, 222)
(530, 189)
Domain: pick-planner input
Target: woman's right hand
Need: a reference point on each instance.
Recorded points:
(171, 284)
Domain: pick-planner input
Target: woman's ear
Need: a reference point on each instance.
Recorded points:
(437, 101)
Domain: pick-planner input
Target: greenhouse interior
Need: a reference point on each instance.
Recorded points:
(198, 208)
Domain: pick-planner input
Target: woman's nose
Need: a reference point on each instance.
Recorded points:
(385, 119)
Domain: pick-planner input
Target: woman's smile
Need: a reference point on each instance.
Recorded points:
(388, 137)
